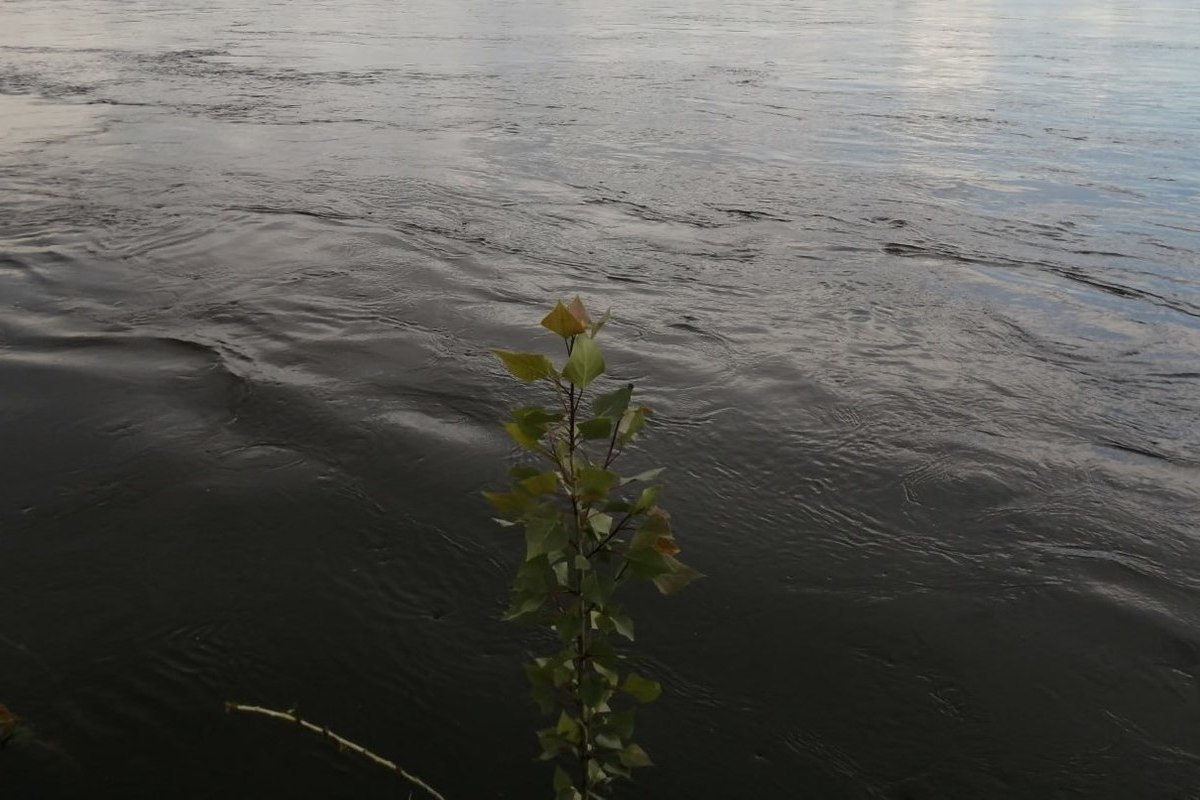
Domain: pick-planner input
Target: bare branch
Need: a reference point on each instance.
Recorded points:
(341, 742)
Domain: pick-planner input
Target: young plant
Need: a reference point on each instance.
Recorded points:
(588, 531)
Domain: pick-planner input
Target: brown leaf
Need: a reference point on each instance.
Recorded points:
(680, 575)
(578, 311)
(8, 722)
(666, 545)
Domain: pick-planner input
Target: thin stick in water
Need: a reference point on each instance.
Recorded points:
(342, 742)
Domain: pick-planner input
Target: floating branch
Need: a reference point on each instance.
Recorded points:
(341, 742)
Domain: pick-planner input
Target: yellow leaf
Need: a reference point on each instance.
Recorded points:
(563, 322)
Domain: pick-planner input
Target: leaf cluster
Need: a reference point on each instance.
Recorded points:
(588, 530)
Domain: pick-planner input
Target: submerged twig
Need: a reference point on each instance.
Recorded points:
(341, 742)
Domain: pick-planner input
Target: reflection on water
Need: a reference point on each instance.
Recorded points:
(912, 287)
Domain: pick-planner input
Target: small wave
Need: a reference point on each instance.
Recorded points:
(1071, 273)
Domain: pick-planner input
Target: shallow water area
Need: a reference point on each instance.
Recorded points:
(913, 288)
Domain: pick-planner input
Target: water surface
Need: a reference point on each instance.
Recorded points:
(914, 288)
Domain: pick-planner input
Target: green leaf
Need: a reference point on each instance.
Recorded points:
(609, 740)
(610, 675)
(634, 756)
(562, 667)
(520, 473)
(601, 524)
(600, 323)
(543, 536)
(534, 575)
(522, 606)
(521, 436)
(602, 653)
(552, 743)
(563, 322)
(598, 428)
(647, 562)
(676, 577)
(613, 766)
(530, 588)
(648, 475)
(526, 366)
(562, 780)
(531, 416)
(596, 588)
(646, 500)
(562, 451)
(594, 690)
(542, 483)
(651, 546)
(656, 525)
(631, 424)
(529, 424)
(567, 625)
(586, 362)
(568, 728)
(608, 619)
(596, 773)
(510, 504)
(641, 689)
(613, 404)
(541, 687)
(561, 573)
(623, 624)
(594, 483)
(621, 722)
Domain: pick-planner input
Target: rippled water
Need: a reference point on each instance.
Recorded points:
(915, 289)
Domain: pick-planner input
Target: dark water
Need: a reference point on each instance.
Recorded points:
(914, 286)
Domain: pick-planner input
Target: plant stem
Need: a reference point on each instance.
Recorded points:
(612, 443)
(341, 742)
(585, 742)
(617, 529)
(581, 643)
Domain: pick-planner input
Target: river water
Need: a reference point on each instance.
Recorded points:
(914, 288)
